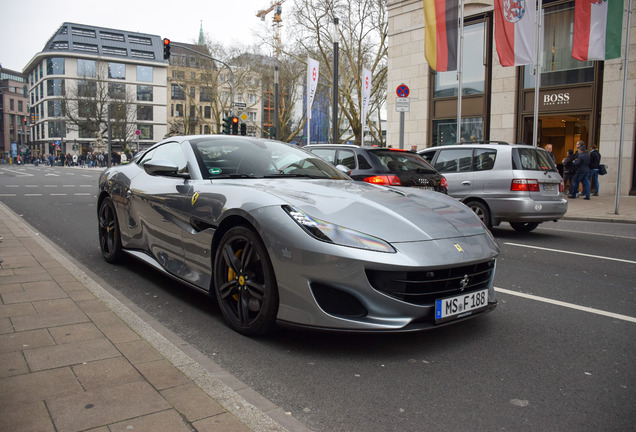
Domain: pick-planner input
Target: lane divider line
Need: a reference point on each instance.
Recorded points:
(567, 305)
(572, 253)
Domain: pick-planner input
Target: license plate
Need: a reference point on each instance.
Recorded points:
(548, 187)
(460, 306)
(425, 187)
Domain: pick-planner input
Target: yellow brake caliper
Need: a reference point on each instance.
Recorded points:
(231, 274)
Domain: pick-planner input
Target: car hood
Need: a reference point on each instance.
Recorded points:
(393, 214)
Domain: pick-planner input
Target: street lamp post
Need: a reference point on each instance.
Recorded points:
(336, 40)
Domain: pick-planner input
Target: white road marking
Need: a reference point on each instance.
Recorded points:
(568, 305)
(82, 194)
(7, 195)
(572, 253)
(57, 195)
(589, 233)
(33, 195)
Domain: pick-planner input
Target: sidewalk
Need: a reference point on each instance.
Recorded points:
(602, 209)
(75, 357)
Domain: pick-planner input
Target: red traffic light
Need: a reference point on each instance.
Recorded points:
(166, 41)
(234, 120)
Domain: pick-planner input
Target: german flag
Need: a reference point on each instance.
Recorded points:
(441, 30)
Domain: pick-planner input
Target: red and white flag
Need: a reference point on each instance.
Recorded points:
(312, 83)
(598, 29)
(515, 31)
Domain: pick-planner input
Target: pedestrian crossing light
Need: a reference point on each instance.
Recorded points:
(243, 129)
(235, 125)
(166, 48)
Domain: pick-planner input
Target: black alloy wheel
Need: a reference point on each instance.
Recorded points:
(245, 284)
(482, 212)
(524, 226)
(109, 235)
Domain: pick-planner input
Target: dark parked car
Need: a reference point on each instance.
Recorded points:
(278, 235)
(383, 166)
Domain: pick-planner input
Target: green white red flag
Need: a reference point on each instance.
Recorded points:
(598, 29)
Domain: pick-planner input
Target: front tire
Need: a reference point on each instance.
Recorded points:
(482, 212)
(109, 234)
(524, 226)
(245, 284)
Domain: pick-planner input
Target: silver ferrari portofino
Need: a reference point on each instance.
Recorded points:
(280, 236)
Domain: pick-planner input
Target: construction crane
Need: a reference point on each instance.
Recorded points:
(278, 10)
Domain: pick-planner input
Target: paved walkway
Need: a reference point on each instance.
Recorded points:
(74, 356)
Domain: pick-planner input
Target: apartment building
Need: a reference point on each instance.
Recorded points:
(86, 75)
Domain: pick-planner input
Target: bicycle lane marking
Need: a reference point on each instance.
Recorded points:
(567, 305)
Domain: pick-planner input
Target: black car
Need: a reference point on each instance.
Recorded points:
(382, 166)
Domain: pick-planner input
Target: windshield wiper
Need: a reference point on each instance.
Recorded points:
(293, 175)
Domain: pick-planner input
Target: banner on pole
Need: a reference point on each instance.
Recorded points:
(516, 31)
(312, 82)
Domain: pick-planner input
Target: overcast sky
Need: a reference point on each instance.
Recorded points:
(26, 27)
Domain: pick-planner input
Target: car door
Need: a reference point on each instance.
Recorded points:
(456, 165)
(158, 209)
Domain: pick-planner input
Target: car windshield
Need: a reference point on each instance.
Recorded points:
(253, 158)
(532, 159)
(396, 161)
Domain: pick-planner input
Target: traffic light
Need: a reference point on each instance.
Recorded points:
(243, 129)
(227, 126)
(166, 48)
(25, 120)
(272, 132)
(235, 125)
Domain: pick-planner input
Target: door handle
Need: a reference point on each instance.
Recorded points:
(466, 183)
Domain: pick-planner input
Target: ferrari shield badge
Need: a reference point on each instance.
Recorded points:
(195, 197)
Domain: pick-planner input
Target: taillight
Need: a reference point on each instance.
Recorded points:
(561, 186)
(527, 185)
(443, 183)
(391, 180)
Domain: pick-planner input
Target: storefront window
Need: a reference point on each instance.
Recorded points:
(474, 70)
(558, 67)
(445, 131)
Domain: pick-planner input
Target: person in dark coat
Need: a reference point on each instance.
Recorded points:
(568, 169)
(582, 164)
(595, 161)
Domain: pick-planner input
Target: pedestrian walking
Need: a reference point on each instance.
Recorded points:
(548, 148)
(568, 169)
(595, 161)
(582, 164)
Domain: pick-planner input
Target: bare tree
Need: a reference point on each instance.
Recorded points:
(363, 43)
(86, 105)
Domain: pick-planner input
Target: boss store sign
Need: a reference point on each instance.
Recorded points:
(571, 98)
(579, 98)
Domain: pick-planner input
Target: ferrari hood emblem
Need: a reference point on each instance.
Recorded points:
(195, 197)
(458, 247)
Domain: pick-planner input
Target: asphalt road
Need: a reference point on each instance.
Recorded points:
(556, 354)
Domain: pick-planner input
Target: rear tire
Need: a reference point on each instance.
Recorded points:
(109, 234)
(244, 282)
(524, 226)
(482, 212)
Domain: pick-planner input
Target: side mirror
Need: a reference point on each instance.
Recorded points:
(344, 169)
(160, 167)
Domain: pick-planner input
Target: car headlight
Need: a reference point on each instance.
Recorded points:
(336, 234)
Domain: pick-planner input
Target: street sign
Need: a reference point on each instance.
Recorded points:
(402, 105)
(137, 132)
(242, 105)
(402, 91)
